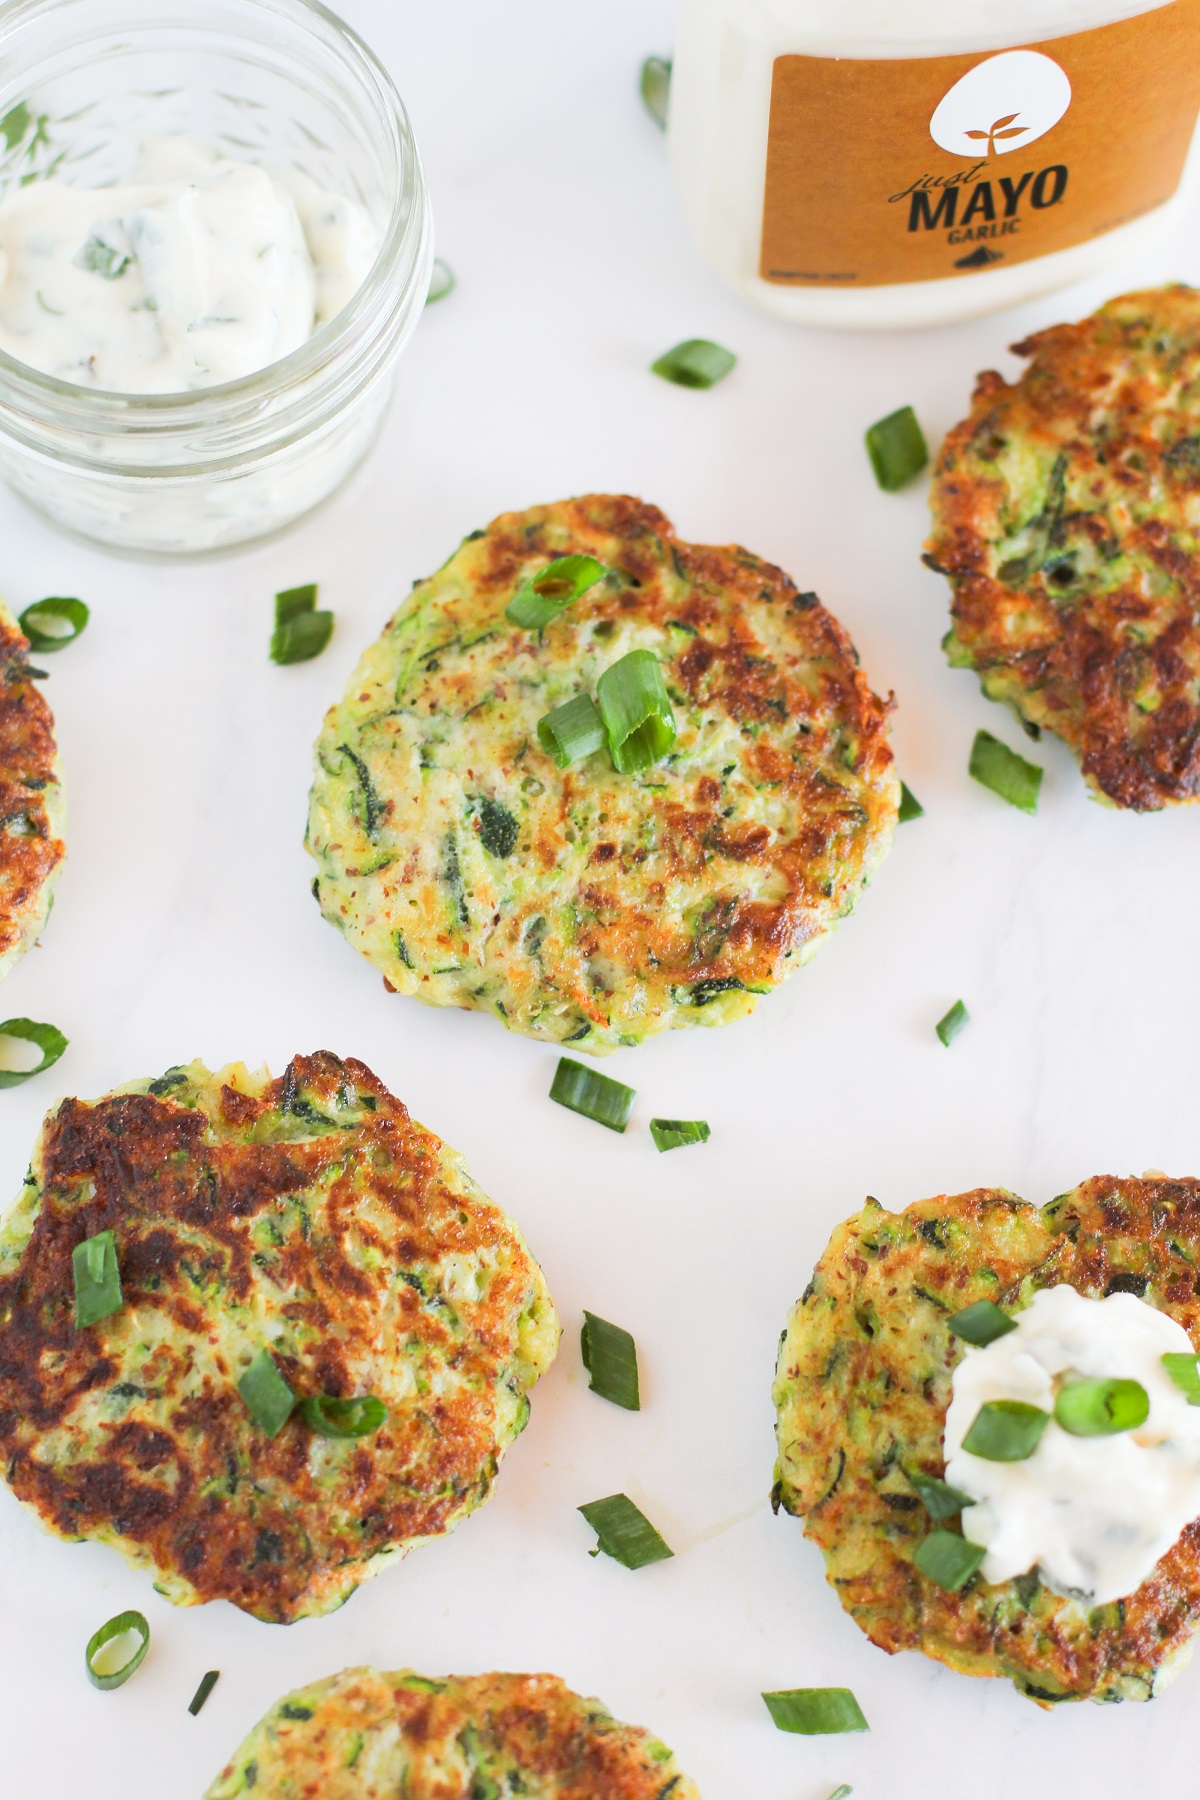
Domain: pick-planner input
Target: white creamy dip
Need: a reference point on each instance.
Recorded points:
(1094, 1514)
(197, 271)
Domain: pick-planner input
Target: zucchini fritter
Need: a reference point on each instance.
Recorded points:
(862, 1388)
(309, 1216)
(1067, 517)
(32, 812)
(365, 1733)
(580, 905)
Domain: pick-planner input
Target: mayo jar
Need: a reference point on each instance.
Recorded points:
(881, 163)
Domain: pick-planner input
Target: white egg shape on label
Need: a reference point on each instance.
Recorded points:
(1001, 105)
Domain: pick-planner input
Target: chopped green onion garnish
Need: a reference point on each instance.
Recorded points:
(696, 363)
(1098, 1408)
(291, 602)
(981, 1324)
(1006, 1431)
(897, 449)
(910, 806)
(300, 632)
(997, 767)
(842, 1792)
(940, 1500)
(333, 1418)
(624, 1532)
(636, 710)
(268, 1397)
(656, 88)
(816, 1712)
(572, 731)
(97, 1279)
(1181, 1367)
(442, 281)
(948, 1559)
(951, 1023)
(112, 1670)
(610, 1358)
(539, 600)
(53, 624)
(207, 1684)
(48, 1038)
(675, 1134)
(597, 1097)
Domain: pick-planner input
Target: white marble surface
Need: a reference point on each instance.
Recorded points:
(184, 926)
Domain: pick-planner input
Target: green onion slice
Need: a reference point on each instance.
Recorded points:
(1006, 1431)
(696, 363)
(442, 281)
(572, 731)
(49, 1040)
(910, 806)
(207, 1684)
(110, 1671)
(897, 449)
(981, 1324)
(948, 1558)
(1099, 1408)
(655, 88)
(1181, 1367)
(268, 1397)
(951, 1023)
(301, 637)
(610, 1358)
(636, 710)
(676, 1134)
(333, 1418)
(291, 603)
(997, 767)
(624, 1532)
(842, 1792)
(816, 1712)
(597, 1097)
(53, 624)
(940, 1500)
(539, 600)
(97, 1279)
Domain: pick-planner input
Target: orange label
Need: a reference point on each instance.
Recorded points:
(913, 170)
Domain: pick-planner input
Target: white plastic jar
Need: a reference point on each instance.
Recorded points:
(882, 163)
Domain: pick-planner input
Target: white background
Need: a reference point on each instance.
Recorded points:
(184, 927)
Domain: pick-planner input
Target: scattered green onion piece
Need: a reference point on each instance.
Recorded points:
(572, 731)
(624, 1532)
(596, 1097)
(539, 600)
(696, 363)
(291, 603)
(636, 710)
(1099, 1408)
(910, 806)
(676, 1134)
(1181, 1367)
(49, 1040)
(951, 1023)
(842, 1792)
(981, 1324)
(268, 1397)
(997, 767)
(897, 449)
(302, 638)
(610, 1358)
(940, 1500)
(43, 623)
(207, 1684)
(116, 1627)
(655, 88)
(816, 1712)
(332, 1418)
(1006, 1431)
(948, 1558)
(442, 281)
(97, 1279)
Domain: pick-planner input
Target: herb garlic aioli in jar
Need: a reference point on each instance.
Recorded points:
(881, 163)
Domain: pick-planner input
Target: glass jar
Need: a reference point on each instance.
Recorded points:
(872, 163)
(278, 82)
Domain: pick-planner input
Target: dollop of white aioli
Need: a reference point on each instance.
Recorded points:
(1093, 1514)
(197, 271)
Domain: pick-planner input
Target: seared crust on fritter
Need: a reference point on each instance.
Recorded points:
(580, 905)
(1067, 517)
(310, 1216)
(364, 1733)
(31, 805)
(862, 1388)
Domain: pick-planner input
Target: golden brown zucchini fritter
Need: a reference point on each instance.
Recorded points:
(31, 805)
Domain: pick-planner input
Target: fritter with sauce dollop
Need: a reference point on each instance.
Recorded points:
(32, 809)
(307, 1217)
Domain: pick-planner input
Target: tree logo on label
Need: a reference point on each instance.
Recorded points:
(1002, 104)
